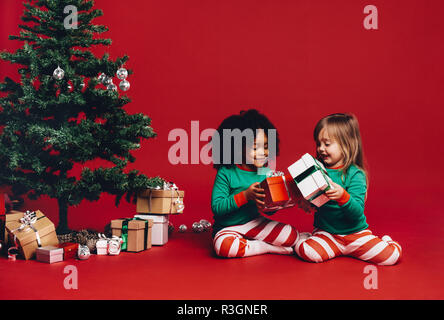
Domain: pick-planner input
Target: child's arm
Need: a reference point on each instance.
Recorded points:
(351, 200)
(221, 201)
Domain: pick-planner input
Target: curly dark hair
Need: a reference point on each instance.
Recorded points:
(251, 119)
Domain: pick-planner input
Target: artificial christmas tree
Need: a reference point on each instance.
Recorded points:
(64, 110)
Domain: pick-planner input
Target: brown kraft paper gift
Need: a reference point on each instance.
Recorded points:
(159, 201)
(26, 238)
(137, 238)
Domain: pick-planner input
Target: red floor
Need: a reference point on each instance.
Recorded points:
(185, 268)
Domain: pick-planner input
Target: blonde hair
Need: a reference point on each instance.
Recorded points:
(344, 128)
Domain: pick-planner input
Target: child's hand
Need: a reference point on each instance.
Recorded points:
(336, 192)
(256, 194)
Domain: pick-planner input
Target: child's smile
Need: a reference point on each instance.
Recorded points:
(258, 154)
(329, 150)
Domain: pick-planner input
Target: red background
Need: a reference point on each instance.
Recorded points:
(296, 61)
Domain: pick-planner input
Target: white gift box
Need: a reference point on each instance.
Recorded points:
(159, 232)
(311, 178)
(102, 247)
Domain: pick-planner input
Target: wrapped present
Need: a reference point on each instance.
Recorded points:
(69, 249)
(29, 231)
(280, 192)
(159, 233)
(49, 254)
(109, 246)
(311, 178)
(168, 200)
(135, 233)
(102, 247)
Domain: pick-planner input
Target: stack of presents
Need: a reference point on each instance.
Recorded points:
(32, 234)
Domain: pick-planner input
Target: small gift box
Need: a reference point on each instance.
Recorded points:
(29, 231)
(49, 254)
(280, 192)
(168, 200)
(69, 249)
(135, 233)
(109, 246)
(102, 247)
(159, 233)
(311, 178)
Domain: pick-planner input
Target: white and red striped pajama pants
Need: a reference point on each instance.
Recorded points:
(258, 236)
(322, 246)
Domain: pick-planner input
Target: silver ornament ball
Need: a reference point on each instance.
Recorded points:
(122, 73)
(107, 80)
(58, 73)
(170, 228)
(205, 223)
(197, 227)
(83, 252)
(111, 86)
(124, 85)
(182, 228)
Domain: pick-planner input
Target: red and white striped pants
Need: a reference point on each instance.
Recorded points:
(322, 246)
(258, 236)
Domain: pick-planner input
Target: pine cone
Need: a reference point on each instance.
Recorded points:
(91, 244)
(65, 237)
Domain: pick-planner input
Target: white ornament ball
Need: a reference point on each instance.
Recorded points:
(58, 73)
(83, 252)
(124, 85)
(122, 73)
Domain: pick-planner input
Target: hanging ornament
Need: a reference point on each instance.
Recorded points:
(101, 77)
(58, 73)
(124, 85)
(122, 74)
(182, 228)
(107, 80)
(111, 86)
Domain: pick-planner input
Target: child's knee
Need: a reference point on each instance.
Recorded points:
(305, 251)
(395, 256)
(230, 246)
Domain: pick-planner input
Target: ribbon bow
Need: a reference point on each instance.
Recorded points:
(28, 220)
(177, 203)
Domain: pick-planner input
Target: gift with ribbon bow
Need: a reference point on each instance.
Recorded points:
(161, 200)
(109, 246)
(280, 192)
(311, 178)
(135, 233)
(30, 230)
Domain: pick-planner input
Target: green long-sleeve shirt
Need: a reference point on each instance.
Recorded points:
(345, 216)
(228, 203)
